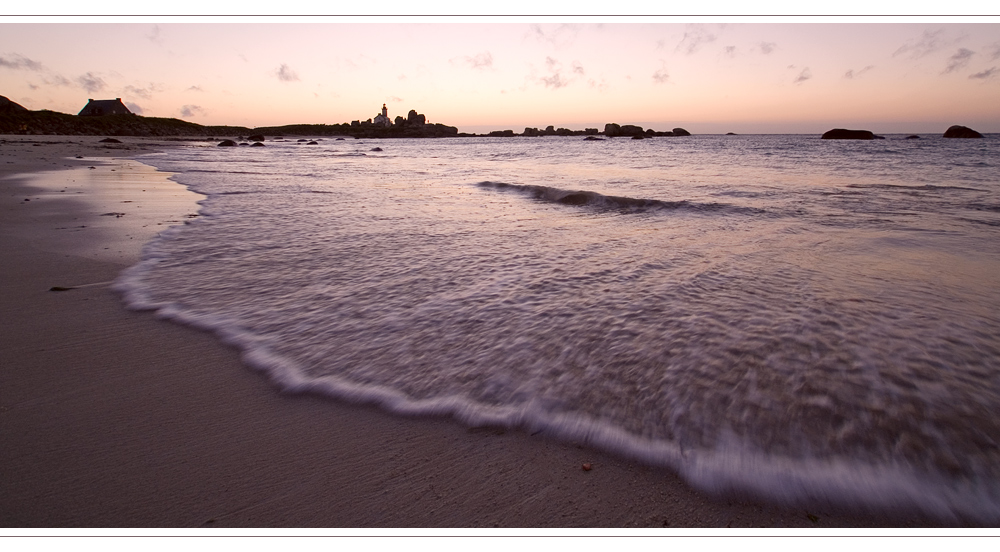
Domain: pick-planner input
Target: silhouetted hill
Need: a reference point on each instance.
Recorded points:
(15, 119)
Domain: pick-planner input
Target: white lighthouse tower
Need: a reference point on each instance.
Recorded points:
(383, 118)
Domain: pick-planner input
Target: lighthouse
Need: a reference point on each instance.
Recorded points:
(383, 118)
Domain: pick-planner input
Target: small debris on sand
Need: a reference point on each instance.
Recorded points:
(587, 467)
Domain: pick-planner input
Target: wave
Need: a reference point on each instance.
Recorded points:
(601, 201)
(729, 467)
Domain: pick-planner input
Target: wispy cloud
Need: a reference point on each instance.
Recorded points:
(804, 75)
(929, 42)
(578, 68)
(695, 37)
(730, 51)
(767, 47)
(555, 80)
(851, 73)
(994, 51)
(394, 99)
(660, 76)
(195, 88)
(192, 111)
(134, 108)
(559, 36)
(286, 74)
(959, 60)
(145, 92)
(91, 82)
(154, 36)
(984, 75)
(481, 61)
(17, 61)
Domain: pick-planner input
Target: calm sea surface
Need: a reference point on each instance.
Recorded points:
(805, 320)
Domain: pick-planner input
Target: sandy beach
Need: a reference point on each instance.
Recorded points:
(111, 418)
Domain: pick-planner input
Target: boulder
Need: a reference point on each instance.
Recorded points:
(415, 118)
(631, 130)
(110, 141)
(376, 149)
(256, 145)
(256, 138)
(844, 134)
(592, 138)
(638, 137)
(313, 143)
(612, 129)
(681, 132)
(912, 137)
(959, 131)
(227, 143)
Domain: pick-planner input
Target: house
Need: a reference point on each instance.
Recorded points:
(104, 107)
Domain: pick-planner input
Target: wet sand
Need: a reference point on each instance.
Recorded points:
(111, 418)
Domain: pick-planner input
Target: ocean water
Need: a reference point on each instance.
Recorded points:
(806, 321)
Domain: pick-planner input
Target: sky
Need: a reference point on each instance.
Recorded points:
(708, 76)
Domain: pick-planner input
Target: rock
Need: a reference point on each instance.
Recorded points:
(730, 134)
(592, 138)
(912, 137)
(587, 467)
(301, 140)
(681, 132)
(844, 134)
(415, 118)
(256, 138)
(376, 149)
(959, 131)
(313, 143)
(612, 129)
(877, 137)
(638, 137)
(339, 138)
(227, 143)
(631, 130)
(110, 141)
(256, 145)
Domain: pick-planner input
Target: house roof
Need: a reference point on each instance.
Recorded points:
(105, 107)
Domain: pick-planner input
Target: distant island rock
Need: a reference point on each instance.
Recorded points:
(959, 131)
(844, 134)
(681, 132)
(912, 137)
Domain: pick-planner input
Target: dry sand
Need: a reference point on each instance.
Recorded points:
(111, 418)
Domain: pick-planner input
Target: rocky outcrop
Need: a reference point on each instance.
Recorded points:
(415, 118)
(912, 137)
(256, 138)
(844, 134)
(227, 143)
(959, 131)
(681, 132)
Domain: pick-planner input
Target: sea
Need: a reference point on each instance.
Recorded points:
(803, 321)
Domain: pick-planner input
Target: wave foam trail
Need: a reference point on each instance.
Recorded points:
(601, 201)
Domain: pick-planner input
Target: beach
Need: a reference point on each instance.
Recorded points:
(113, 418)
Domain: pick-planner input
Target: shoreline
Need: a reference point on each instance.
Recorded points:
(113, 418)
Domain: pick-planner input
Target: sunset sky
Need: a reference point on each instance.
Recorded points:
(709, 76)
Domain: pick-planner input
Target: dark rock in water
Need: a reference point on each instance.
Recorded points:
(681, 132)
(877, 137)
(110, 141)
(638, 137)
(612, 129)
(227, 143)
(592, 138)
(415, 118)
(244, 143)
(730, 134)
(844, 134)
(301, 140)
(376, 149)
(256, 138)
(313, 143)
(256, 145)
(959, 131)
(912, 137)
(631, 130)
(339, 138)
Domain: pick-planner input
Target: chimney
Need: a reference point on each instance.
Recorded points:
(119, 99)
